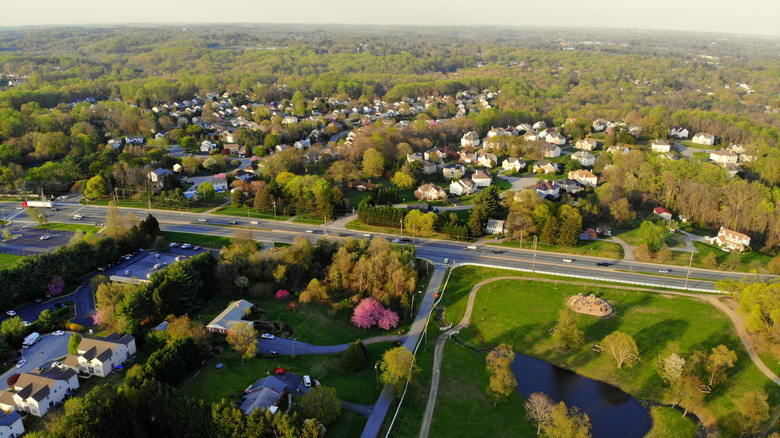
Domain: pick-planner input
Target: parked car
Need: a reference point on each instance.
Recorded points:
(267, 336)
(58, 333)
(21, 363)
(307, 381)
(278, 370)
(174, 245)
(60, 305)
(185, 246)
(39, 300)
(317, 383)
(26, 323)
(10, 313)
(195, 248)
(56, 364)
(446, 261)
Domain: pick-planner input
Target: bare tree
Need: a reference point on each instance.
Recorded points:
(538, 408)
(623, 348)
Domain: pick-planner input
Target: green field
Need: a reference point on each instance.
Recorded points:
(520, 313)
(241, 212)
(70, 227)
(668, 422)
(198, 239)
(8, 260)
(593, 248)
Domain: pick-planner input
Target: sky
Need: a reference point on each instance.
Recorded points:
(754, 17)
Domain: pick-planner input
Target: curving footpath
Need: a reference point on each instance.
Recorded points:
(739, 325)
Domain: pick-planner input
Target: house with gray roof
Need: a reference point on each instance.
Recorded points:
(38, 392)
(99, 356)
(232, 315)
(264, 394)
(11, 425)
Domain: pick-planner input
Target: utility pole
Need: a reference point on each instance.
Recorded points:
(689, 271)
(325, 224)
(249, 222)
(274, 208)
(402, 227)
(533, 265)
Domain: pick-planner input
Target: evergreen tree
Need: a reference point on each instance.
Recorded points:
(550, 231)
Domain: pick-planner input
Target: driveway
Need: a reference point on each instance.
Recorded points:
(688, 152)
(49, 348)
(518, 183)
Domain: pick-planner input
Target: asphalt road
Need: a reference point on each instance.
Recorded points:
(49, 348)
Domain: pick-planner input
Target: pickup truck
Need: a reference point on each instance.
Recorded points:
(77, 217)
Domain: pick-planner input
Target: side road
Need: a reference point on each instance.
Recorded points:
(739, 325)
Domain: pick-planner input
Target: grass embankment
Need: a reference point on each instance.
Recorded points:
(633, 237)
(241, 212)
(357, 225)
(198, 239)
(520, 313)
(198, 207)
(70, 227)
(592, 248)
(8, 260)
(668, 422)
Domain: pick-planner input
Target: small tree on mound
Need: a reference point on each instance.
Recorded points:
(371, 312)
(73, 343)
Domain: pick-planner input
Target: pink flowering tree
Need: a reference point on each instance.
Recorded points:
(370, 312)
(56, 286)
(282, 294)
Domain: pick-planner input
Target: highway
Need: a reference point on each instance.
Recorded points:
(436, 251)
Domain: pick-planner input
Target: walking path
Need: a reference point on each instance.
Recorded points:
(628, 252)
(364, 410)
(739, 325)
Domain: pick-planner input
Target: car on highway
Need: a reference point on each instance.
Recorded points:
(58, 333)
(202, 219)
(396, 241)
(267, 336)
(45, 237)
(233, 223)
(196, 248)
(21, 363)
(10, 313)
(603, 264)
(495, 251)
(446, 261)
(664, 271)
(567, 260)
(310, 231)
(254, 222)
(472, 247)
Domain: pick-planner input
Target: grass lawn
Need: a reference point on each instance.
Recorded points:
(593, 248)
(748, 261)
(241, 211)
(668, 422)
(198, 239)
(353, 197)
(8, 260)
(701, 156)
(348, 424)
(520, 313)
(137, 203)
(690, 144)
(212, 385)
(357, 225)
(70, 227)
(463, 406)
(309, 219)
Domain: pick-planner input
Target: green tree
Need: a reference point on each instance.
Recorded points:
(571, 226)
(753, 411)
(47, 321)
(206, 191)
(710, 261)
(321, 403)
(96, 187)
(499, 365)
(403, 181)
(653, 235)
(550, 231)
(236, 199)
(39, 215)
(73, 343)
(623, 348)
(565, 422)
(760, 304)
(188, 143)
(243, 339)
(373, 163)
(355, 356)
(720, 359)
(567, 335)
(398, 366)
(14, 331)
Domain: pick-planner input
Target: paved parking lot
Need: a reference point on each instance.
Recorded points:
(30, 240)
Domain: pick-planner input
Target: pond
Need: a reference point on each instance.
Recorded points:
(612, 412)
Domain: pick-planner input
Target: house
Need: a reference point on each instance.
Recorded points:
(599, 125)
(414, 157)
(434, 154)
(243, 175)
(531, 135)
(584, 157)
(37, 392)
(453, 171)
(235, 149)
(115, 142)
(703, 138)
(584, 177)
(99, 356)
(362, 186)
(494, 227)
(207, 146)
(462, 187)
(232, 315)
(470, 139)
(219, 183)
(264, 394)
(467, 157)
(156, 176)
(281, 147)
(551, 151)
(11, 425)
(737, 148)
(724, 156)
(430, 192)
(729, 240)
(178, 168)
(617, 149)
(429, 168)
(586, 144)
(547, 189)
(540, 125)
(135, 139)
(556, 138)
(487, 159)
(302, 144)
(663, 213)
(481, 179)
(660, 146)
(513, 164)
(678, 132)
(545, 167)
(570, 186)
(288, 120)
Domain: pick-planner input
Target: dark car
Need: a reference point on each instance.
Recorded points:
(60, 305)
(604, 264)
(495, 251)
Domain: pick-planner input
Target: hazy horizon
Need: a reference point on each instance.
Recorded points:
(751, 17)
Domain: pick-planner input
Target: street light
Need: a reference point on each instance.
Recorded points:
(376, 372)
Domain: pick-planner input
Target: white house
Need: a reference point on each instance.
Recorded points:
(531, 135)
(429, 168)
(660, 146)
(302, 144)
(599, 125)
(556, 138)
(100, 356)
(156, 176)
(233, 314)
(584, 157)
(586, 144)
(207, 146)
(724, 156)
(38, 392)
(663, 213)
(11, 425)
(481, 179)
(545, 167)
(584, 177)
(434, 154)
(487, 159)
(414, 157)
(551, 151)
(678, 132)
(729, 240)
(467, 157)
(462, 187)
(540, 125)
(703, 138)
(470, 139)
(178, 168)
(617, 149)
(430, 192)
(513, 164)
(494, 227)
(453, 171)
(547, 189)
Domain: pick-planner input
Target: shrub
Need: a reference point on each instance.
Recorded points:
(72, 326)
(282, 294)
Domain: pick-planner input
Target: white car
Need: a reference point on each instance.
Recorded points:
(21, 363)
(254, 222)
(56, 364)
(26, 323)
(45, 237)
(446, 261)
(10, 313)
(185, 246)
(202, 220)
(665, 271)
(567, 260)
(310, 231)
(267, 336)
(58, 333)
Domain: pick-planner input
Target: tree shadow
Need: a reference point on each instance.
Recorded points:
(651, 340)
